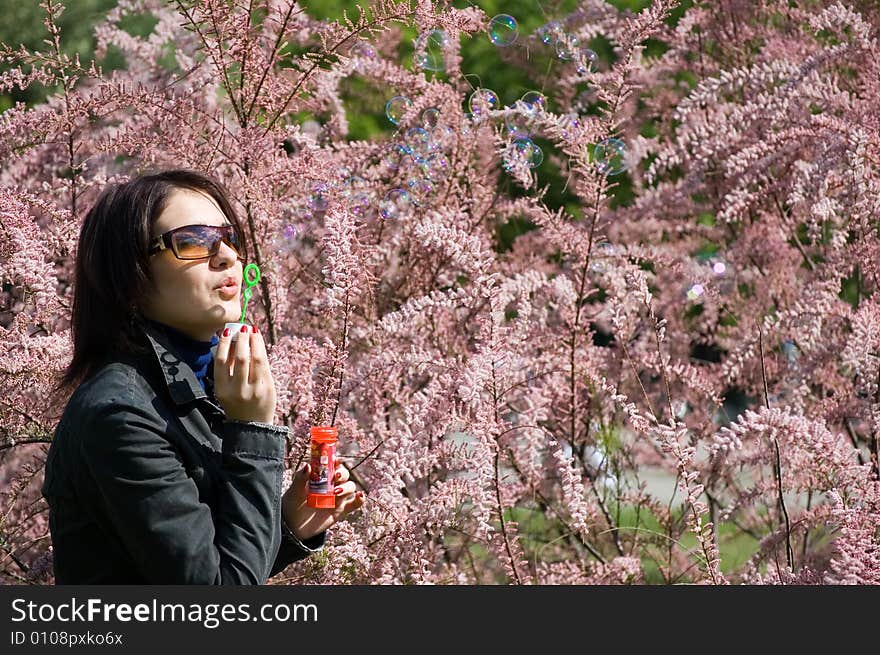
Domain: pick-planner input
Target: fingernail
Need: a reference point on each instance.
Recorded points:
(226, 332)
(360, 494)
(256, 330)
(244, 328)
(337, 490)
(337, 476)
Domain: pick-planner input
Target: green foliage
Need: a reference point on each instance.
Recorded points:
(23, 24)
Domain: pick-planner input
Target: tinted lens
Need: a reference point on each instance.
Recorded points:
(202, 241)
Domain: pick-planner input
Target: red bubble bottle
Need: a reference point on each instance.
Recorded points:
(323, 467)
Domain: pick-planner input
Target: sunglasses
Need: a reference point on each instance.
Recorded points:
(196, 241)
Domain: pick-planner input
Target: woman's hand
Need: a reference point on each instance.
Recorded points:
(242, 380)
(305, 521)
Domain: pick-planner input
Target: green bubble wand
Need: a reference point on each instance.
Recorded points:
(251, 278)
(249, 285)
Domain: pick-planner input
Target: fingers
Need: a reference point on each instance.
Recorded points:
(341, 473)
(259, 362)
(223, 348)
(241, 360)
(350, 503)
(303, 473)
(346, 489)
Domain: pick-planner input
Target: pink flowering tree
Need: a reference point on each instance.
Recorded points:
(625, 330)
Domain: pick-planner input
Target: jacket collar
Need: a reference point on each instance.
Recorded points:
(179, 377)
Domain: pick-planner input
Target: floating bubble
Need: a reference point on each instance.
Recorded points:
(420, 190)
(394, 154)
(318, 201)
(534, 101)
(430, 47)
(529, 151)
(396, 108)
(408, 164)
(503, 30)
(442, 134)
(571, 127)
(311, 127)
(362, 49)
(681, 408)
(695, 292)
(430, 117)
(719, 266)
(791, 351)
(418, 143)
(481, 101)
(395, 204)
(587, 61)
(567, 47)
(610, 156)
(550, 32)
(434, 145)
(518, 125)
(437, 168)
(357, 196)
(286, 238)
(600, 259)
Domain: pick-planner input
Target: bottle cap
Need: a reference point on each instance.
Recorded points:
(234, 329)
(323, 433)
(321, 501)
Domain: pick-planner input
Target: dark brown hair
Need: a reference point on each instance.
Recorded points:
(112, 275)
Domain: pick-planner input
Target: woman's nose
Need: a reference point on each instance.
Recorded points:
(226, 253)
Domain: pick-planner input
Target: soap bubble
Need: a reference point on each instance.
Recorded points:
(420, 189)
(418, 143)
(571, 127)
(437, 168)
(396, 108)
(791, 351)
(363, 49)
(601, 257)
(409, 166)
(285, 240)
(719, 266)
(587, 61)
(723, 274)
(517, 124)
(429, 53)
(567, 47)
(357, 195)
(610, 156)
(481, 101)
(430, 117)
(311, 127)
(318, 201)
(550, 32)
(696, 292)
(529, 151)
(442, 134)
(503, 30)
(534, 101)
(394, 154)
(395, 204)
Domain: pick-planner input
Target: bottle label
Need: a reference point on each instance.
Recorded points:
(323, 465)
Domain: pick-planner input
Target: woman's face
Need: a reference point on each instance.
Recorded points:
(185, 293)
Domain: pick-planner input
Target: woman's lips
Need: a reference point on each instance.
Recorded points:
(230, 290)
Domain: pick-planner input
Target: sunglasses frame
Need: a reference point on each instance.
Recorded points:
(166, 241)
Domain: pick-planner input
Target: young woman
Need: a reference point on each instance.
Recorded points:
(166, 465)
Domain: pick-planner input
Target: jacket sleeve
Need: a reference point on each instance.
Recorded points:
(145, 494)
(293, 550)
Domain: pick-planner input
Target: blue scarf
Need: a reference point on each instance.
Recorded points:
(196, 353)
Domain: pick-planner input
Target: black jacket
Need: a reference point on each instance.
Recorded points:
(148, 483)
